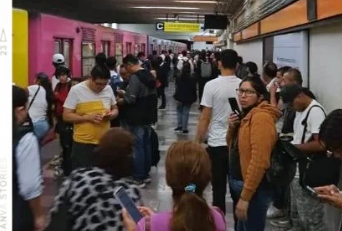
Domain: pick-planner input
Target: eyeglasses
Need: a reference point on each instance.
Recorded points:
(247, 92)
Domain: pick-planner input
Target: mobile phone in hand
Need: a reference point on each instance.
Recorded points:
(128, 204)
(234, 106)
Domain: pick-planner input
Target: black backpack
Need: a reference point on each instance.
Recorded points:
(283, 163)
(155, 153)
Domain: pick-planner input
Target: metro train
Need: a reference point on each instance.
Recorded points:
(37, 36)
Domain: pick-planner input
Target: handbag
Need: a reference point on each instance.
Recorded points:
(318, 169)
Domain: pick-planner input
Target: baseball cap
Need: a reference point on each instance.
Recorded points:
(290, 92)
(58, 58)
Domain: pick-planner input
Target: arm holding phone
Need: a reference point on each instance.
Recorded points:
(129, 223)
(330, 194)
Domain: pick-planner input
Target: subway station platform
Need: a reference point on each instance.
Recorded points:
(157, 195)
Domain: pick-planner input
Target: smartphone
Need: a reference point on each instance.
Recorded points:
(128, 204)
(234, 106)
(311, 191)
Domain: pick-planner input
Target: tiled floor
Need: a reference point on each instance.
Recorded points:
(157, 195)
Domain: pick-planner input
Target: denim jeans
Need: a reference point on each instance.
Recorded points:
(183, 115)
(40, 129)
(142, 150)
(256, 214)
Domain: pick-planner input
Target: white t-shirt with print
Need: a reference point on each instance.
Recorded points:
(215, 95)
(314, 121)
(81, 93)
(38, 109)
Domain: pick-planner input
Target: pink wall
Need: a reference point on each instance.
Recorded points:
(43, 29)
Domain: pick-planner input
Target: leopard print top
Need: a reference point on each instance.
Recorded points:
(93, 207)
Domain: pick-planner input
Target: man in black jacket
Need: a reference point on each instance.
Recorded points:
(139, 112)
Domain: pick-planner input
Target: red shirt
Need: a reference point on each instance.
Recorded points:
(61, 93)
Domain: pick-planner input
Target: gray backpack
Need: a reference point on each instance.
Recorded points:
(206, 70)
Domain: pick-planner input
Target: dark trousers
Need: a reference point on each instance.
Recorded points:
(219, 169)
(82, 155)
(161, 94)
(281, 197)
(65, 131)
(201, 84)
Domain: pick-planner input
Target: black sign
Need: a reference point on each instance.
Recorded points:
(160, 26)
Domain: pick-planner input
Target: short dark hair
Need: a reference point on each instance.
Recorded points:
(240, 60)
(170, 51)
(130, 59)
(331, 130)
(111, 62)
(60, 70)
(229, 59)
(141, 54)
(270, 69)
(154, 52)
(114, 153)
(100, 58)
(253, 68)
(155, 62)
(184, 53)
(284, 69)
(296, 74)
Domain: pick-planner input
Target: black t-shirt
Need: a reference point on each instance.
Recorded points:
(234, 161)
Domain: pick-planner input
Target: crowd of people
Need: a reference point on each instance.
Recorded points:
(105, 123)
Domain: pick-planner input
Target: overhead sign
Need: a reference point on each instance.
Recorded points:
(178, 27)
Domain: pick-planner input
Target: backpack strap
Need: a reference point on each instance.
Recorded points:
(147, 223)
(34, 97)
(304, 122)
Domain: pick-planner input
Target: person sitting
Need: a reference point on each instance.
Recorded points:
(188, 173)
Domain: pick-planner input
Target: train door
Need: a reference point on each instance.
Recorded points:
(106, 48)
(128, 48)
(143, 48)
(88, 57)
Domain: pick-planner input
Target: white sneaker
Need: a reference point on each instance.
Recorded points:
(273, 212)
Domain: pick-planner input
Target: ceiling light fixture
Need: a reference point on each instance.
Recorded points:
(204, 2)
(180, 19)
(165, 7)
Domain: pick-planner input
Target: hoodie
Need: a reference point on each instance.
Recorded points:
(256, 139)
(140, 99)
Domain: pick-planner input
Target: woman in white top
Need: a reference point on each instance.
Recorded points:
(40, 105)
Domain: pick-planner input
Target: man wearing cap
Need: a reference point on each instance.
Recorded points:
(57, 60)
(310, 210)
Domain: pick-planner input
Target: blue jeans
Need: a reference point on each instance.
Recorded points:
(142, 150)
(40, 129)
(183, 115)
(256, 214)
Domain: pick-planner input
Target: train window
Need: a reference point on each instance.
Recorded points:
(105, 48)
(137, 49)
(143, 47)
(118, 52)
(88, 57)
(64, 47)
(58, 45)
(128, 48)
(67, 52)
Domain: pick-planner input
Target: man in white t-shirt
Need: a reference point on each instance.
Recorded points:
(90, 106)
(214, 119)
(310, 209)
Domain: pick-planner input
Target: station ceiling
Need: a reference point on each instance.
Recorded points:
(131, 11)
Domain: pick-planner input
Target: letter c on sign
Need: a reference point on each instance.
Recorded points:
(160, 26)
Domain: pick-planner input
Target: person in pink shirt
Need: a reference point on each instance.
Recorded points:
(188, 173)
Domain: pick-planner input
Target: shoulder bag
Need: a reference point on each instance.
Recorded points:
(318, 169)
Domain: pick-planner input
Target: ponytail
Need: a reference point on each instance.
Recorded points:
(191, 212)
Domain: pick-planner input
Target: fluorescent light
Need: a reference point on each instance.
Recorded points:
(204, 2)
(179, 19)
(165, 7)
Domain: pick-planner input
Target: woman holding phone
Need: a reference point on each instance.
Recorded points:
(86, 196)
(188, 174)
(251, 138)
